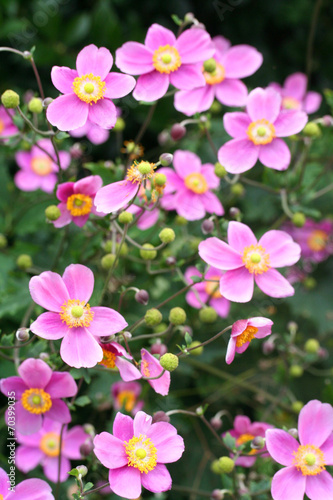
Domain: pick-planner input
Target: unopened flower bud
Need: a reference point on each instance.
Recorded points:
(180, 220)
(44, 356)
(310, 283)
(163, 137)
(171, 260)
(226, 464)
(153, 317)
(217, 495)
(268, 347)
(296, 371)
(82, 470)
(52, 212)
(160, 179)
(219, 170)
(298, 219)
(216, 422)
(312, 129)
(47, 101)
(119, 125)
(3, 241)
(207, 226)
(160, 416)
(327, 121)
(258, 442)
(323, 353)
(89, 429)
(293, 432)
(237, 189)
(76, 151)
(235, 213)
(187, 330)
(125, 217)
(196, 348)
(207, 315)
(107, 260)
(35, 105)
(169, 361)
(24, 262)
(107, 339)
(166, 159)
(177, 316)
(22, 334)
(297, 406)
(10, 99)
(142, 297)
(198, 26)
(86, 448)
(158, 348)
(167, 235)
(216, 107)
(189, 17)
(312, 346)
(177, 131)
(148, 252)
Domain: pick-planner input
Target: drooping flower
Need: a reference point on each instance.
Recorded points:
(222, 75)
(30, 489)
(136, 454)
(43, 448)
(77, 200)
(247, 260)
(88, 91)
(116, 356)
(93, 132)
(163, 59)
(71, 318)
(305, 462)
(38, 392)
(208, 291)
(188, 188)
(294, 94)
(151, 367)
(126, 396)
(314, 238)
(243, 332)
(39, 168)
(7, 127)
(257, 133)
(145, 218)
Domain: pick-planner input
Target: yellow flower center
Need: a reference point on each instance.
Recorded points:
(317, 240)
(109, 359)
(2, 126)
(256, 259)
(212, 287)
(196, 183)
(216, 76)
(141, 453)
(79, 204)
(36, 401)
(261, 132)
(166, 59)
(145, 368)
(248, 335)
(138, 172)
(41, 166)
(50, 444)
(76, 313)
(1, 496)
(126, 399)
(89, 88)
(309, 459)
(290, 103)
(244, 438)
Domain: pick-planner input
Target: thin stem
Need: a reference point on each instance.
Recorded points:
(309, 52)
(259, 185)
(284, 203)
(145, 123)
(205, 342)
(59, 463)
(9, 49)
(322, 191)
(152, 335)
(86, 493)
(39, 83)
(31, 125)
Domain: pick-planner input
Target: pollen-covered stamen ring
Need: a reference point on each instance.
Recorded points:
(79, 204)
(36, 401)
(76, 313)
(256, 259)
(50, 444)
(109, 359)
(216, 76)
(261, 132)
(126, 399)
(196, 182)
(89, 88)
(248, 335)
(309, 459)
(41, 165)
(166, 59)
(317, 240)
(138, 172)
(212, 288)
(141, 453)
(2, 127)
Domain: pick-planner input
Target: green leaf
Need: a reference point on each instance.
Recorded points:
(88, 486)
(176, 19)
(74, 472)
(83, 401)
(188, 339)
(229, 441)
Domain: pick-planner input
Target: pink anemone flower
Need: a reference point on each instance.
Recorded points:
(30, 489)
(151, 367)
(7, 127)
(136, 454)
(71, 318)
(314, 238)
(243, 332)
(44, 446)
(188, 188)
(207, 292)
(163, 59)
(225, 69)
(116, 356)
(77, 200)
(247, 260)
(257, 133)
(295, 96)
(38, 392)
(126, 396)
(39, 168)
(88, 91)
(304, 472)
(96, 134)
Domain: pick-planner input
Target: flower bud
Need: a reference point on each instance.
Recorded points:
(226, 464)
(180, 220)
(108, 260)
(215, 467)
(44, 356)
(298, 219)
(293, 432)
(235, 213)
(169, 361)
(219, 170)
(268, 347)
(207, 315)
(160, 179)
(82, 470)
(198, 348)
(24, 262)
(189, 17)
(216, 107)
(312, 346)
(160, 416)
(327, 121)
(217, 495)
(153, 317)
(258, 443)
(22, 334)
(52, 212)
(216, 422)
(142, 297)
(158, 348)
(3, 241)
(89, 429)
(47, 101)
(86, 448)
(10, 99)
(167, 235)
(312, 129)
(310, 283)
(125, 217)
(166, 159)
(177, 131)
(171, 260)
(177, 316)
(163, 137)
(35, 105)
(198, 26)
(237, 189)
(296, 371)
(297, 406)
(146, 253)
(207, 226)
(119, 125)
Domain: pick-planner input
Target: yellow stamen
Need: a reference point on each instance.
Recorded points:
(290, 103)
(212, 287)
(246, 336)
(109, 359)
(145, 368)
(127, 400)
(261, 132)
(89, 88)
(36, 401)
(245, 438)
(166, 59)
(41, 166)
(317, 240)
(216, 76)
(50, 444)
(2, 127)
(196, 182)
(76, 313)
(79, 204)
(141, 453)
(309, 459)
(256, 259)
(133, 150)
(134, 174)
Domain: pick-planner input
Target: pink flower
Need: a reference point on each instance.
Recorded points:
(164, 60)
(247, 260)
(314, 238)
(116, 356)
(77, 200)
(43, 448)
(223, 83)
(188, 190)
(304, 471)
(30, 489)
(95, 133)
(243, 332)
(244, 431)
(7, 127)
(126, 396)
(71, 318)
(136, 454)
(256, 133)
(39, 168)
(208, 291)
(38, 392)
(295, 96)
(151, 367)
(88, 91)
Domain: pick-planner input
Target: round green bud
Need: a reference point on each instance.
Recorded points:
(82, 470)
(125, 217)
(3, 241)
(108, 260)
(153, 317)
(146, 253)
(226, 464)
(119, 125)
(310, 283)
(180, 220)
(169, 361)
(108, 246)
(166, 159)
(312, 346)
(207, 315)
(237, 189)
(215, 467)
(24, 262)
(35, 105)
(167, 235)
(123, 250)
(52, 212)
(216, 107)
(144, 168)
(298, 219)
(210, 65)
(10, 99)
(177, 316)
(219, 170)
(296, 371)
(194, 243)
(160, 179)
(297, 406)
(199, 348)
(160, 328)
(312, 129)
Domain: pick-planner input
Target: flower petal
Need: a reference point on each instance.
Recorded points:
(315, 423)
(88, 185)
(49, 326)
(319, 487)
(25, 422)
(194, 46)
(312, 102)
(48, 290)
(79, 281)
(126, 482)
(327, 449)
(134, 58)
(273, 284)
(237, 285)
(281, 446)
(110, 451)
(231, 92)
(27, 458)
(62, 78)
(211, 203)
(127, 370)
(264, 103)
(13, 384)
(238, 155)
(275, 155)
(195, 100)
(151, 86)
(123, 427)
(187, 77)
(92, 59)
(282, 250)
(142, 423)
(219, 254)
(288, 484)
(157, 480)
(189, 205)
(106, 322)
(35, 373)
(158, 36)
(61, 385)
(231, 350)
(295, 86)
(236, 124)
(240, 236)
(241, 61)
(186, 163)
(50, 469)
(74, 438)
(31, 489)
(67, 112)
(115, 196)
(103, 113)
(118, 85)
(59, 412)
(80, 349)
(290, 122)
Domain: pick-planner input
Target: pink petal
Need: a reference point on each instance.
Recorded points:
(186, 163)
(315, 423)
(79, 281)
(207, 171)
(62, 78)
(160, 432)
(241, 61)
(242, 424)
(25, 422)
(275, 155)
(106, 322)
(240, 236)
(127, 370)
(290, 122)
(211, 203)
(64, 191)
(221, 44)
(157, 480)
(59, 412)
(192, 298)
(142, 423)
(28, 458)
(312, 102)
(189, 205)
(49, 326)
(103, 113)
(195, 100)
(118, 85)
(27, 181)
(237, 285)
(158, 36)
(115, 196)
(264, 103)
(238, 155)
(92, 59)
(187, 77)
(35, 373)
(295, 86)
(151, 367)
(23, 159)
(97, 135)
(13, 385)
(231, 92)
(65, 160)
(219, 254)
(31, 489)
(73, 440)
(231, 351)
(174, 181)
(327, 449)
(170, 450)
(221, 306)
(88, 185)
(48, 290)
(319, 487)
(50, 469)
(67, 112)
(148, 219)
(281, 446)
(110, 451)
(48, 183)
(151, 86)
(134, 58)
(126, 482)
(194, 46)
(123, 427)
(273, 284)
(61, 385)
(238, 327)
(282, 250)
(288, 484)
(236, 124)
(80, 349)
(3, 482)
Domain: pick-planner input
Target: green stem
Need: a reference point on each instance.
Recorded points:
(205, 342)
(31, 125)
(145, 123)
